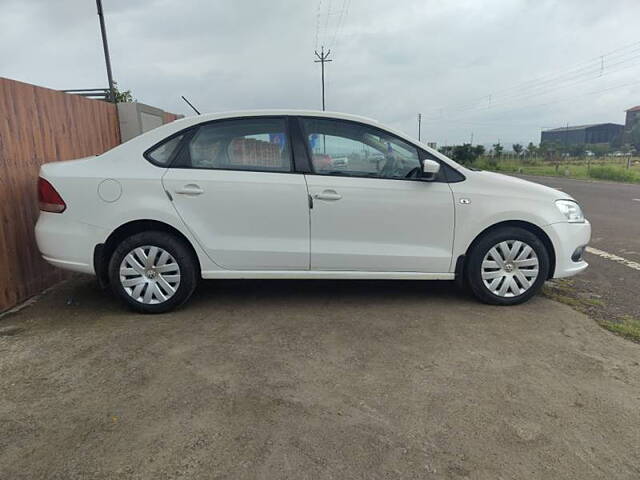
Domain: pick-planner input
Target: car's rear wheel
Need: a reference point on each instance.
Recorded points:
(153, 272)
(507, 266)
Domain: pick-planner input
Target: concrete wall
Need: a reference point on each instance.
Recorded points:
(137, 118)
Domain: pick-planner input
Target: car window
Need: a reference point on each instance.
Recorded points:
(245, 144)
(162, 154)
(347, 148)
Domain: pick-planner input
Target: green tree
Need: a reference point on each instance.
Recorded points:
(446, 150)
(463, 154)
(517, 149)
(532, 149)
(497, 150)
(479, 150)
(122, 96)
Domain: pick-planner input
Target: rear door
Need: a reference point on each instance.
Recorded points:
(371, 210)
(233, 185)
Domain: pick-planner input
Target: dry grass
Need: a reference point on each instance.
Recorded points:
(563, 291)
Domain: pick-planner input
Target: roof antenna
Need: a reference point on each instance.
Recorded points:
(189, 103)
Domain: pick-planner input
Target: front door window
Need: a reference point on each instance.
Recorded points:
(340, 147)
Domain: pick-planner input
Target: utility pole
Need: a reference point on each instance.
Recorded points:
(322, 58)
(419, 125)
(105, 46)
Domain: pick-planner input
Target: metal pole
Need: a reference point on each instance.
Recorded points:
(419, 126)
(322, 67)
(105, 46)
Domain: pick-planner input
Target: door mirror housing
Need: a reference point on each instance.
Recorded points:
(430, 169)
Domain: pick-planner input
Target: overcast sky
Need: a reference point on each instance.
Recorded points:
(497, 69)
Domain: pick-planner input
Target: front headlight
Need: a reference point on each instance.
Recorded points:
(571, 210)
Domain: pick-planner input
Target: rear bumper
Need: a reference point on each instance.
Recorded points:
(567, 238)
(66, 243)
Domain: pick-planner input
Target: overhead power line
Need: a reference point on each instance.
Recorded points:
(330, 22)
(608, 63)
(344, 11)
(537, 105)
(318, 10)
(547, 89)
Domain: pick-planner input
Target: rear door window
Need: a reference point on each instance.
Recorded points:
(254, 144)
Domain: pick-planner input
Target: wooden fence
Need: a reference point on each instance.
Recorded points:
(39, 125)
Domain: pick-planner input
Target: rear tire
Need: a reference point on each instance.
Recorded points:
(153, 272)
(507, 266)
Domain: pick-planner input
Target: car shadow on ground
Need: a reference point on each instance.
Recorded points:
(82, 291)
(322, 290)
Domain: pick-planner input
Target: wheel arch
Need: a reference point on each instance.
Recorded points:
(103, 251)
(536, 230)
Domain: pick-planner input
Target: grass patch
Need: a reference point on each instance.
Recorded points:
(627, 326)
(564, 291)
(614, 173)
(572, 169)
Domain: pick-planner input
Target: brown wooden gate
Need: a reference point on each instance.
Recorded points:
(39, 125)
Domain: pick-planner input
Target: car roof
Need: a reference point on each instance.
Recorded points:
(204, 117)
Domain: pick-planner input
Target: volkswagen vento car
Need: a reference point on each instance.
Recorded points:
(303, 195)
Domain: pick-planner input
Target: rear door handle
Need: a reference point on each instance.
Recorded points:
(329, 195)
(190, 189)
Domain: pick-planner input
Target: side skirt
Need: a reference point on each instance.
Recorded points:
(326, 274)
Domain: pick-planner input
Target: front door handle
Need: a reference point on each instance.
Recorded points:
(329, 195)
(190, 189)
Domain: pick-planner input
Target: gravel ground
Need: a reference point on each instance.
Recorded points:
(326, 380)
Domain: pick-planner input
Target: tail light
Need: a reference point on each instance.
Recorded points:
(49, 199)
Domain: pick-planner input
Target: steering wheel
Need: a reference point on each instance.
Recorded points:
(414, 172)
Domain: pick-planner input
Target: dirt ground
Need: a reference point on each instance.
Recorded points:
(315, 380)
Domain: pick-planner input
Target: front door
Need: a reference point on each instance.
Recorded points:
(234, 187)
(371, 211)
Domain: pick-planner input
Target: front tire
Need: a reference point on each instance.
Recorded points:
(507, 266)
(153, 272)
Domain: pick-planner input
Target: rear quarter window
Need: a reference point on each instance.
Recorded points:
(163, 154)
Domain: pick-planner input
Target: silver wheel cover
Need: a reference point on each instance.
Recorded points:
(510, 268)
(149, 274)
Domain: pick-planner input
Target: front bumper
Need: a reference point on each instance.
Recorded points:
(566, 239)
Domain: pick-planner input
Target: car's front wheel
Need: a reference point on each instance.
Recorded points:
(153, 272)
(507, 266)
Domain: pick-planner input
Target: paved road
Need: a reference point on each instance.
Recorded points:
(315, 380)
(614, 212)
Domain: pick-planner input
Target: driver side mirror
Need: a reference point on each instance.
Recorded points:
(430, 169)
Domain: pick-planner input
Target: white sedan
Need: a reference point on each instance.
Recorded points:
(258, 195)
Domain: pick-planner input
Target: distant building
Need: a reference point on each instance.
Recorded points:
(633, 116)
(583, 134)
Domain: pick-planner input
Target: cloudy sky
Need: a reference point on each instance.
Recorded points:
(494, 69)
